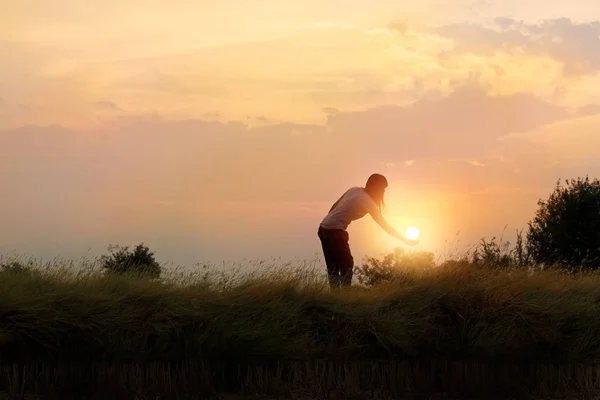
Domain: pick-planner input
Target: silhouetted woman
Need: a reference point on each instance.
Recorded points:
(353, 204)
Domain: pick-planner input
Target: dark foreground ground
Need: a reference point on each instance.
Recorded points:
(302, 380)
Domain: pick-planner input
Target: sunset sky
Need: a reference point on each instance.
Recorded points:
(222, 130)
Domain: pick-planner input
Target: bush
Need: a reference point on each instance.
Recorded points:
(374, 271)
(565, 230)
(494, 254)
(140, 261)
(490, 254)
(16, 267)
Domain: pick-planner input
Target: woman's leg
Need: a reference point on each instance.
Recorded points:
(338, 257)
(329, 252)
(346, 261)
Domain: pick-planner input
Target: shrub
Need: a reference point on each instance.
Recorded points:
(16, 267)
(495, 253)
(140, 261)
(374, 271)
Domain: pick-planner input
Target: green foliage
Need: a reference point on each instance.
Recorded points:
(490, 253)
(495, 253)
(373, 271)
(566, 227)
(17, 267)
(521, 255)
(140, 261)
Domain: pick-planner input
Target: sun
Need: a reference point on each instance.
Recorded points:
(412, 233)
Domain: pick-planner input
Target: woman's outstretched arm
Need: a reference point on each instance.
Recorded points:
(390, 230)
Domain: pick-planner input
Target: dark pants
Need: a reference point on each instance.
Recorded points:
(337, 256)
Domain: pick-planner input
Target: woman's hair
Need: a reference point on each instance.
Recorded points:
(375, 186)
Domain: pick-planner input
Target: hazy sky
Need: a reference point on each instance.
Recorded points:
(218, 130)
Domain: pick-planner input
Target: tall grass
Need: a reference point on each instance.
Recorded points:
(283, 329)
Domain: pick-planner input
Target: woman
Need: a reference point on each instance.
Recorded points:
(353, 204)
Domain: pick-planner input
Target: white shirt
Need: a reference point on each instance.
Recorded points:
(354, 204)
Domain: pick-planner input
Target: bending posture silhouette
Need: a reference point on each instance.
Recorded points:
(353, 204)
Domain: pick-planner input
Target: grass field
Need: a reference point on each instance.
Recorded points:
(458, 330)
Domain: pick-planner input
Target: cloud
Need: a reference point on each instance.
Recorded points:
(317, 71)
(200, 160)
(259, 118)
(104, 105)
(575, 45)
(44, 84)
(197, 180)
(458, 125)
(331, 110)
(590, 109)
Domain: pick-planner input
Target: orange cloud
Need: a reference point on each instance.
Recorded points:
(147, 176)
(299, 76)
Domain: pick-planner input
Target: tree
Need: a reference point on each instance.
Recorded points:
(141, 261)
(566, 228)
(374, 271)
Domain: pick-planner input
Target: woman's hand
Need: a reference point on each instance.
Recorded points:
(391, 231)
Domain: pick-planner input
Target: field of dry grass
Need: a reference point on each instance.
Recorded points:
(459, 330)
